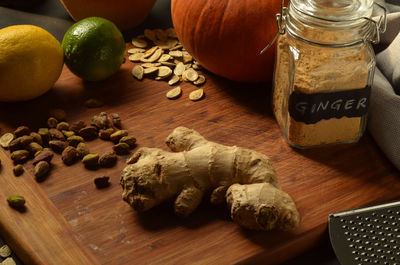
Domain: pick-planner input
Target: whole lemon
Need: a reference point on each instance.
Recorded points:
(31, 61)
(94, 48)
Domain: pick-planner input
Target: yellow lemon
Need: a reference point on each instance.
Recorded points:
(31, 61)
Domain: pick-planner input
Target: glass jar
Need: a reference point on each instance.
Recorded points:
(324, 71)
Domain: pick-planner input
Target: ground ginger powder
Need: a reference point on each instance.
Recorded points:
(310, 70)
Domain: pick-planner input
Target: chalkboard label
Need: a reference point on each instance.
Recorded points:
(311, 108)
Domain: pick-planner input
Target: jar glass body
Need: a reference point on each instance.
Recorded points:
(324, 74)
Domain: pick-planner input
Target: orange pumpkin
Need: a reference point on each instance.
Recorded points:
(124, 13)
(226, 36)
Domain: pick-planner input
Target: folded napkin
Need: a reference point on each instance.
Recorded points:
(384, 112)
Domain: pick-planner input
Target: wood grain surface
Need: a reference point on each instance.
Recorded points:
(68, 205)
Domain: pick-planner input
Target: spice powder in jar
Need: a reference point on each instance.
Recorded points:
(324, 71)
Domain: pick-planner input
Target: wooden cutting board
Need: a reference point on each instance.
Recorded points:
(69, 221)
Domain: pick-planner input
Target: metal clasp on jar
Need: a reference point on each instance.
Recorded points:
(280, 23)
(379, 26)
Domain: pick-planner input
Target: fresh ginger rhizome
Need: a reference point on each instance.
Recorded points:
(244, 178)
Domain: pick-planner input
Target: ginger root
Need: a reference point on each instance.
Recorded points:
(244, 178)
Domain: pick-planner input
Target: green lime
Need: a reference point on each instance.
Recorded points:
(94, 48)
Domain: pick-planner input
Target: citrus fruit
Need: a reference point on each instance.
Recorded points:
(94, 48)
(31, 61)
(126, 14)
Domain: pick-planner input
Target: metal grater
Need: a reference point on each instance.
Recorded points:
(369, 235)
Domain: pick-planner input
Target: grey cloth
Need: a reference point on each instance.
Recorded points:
(384, 112)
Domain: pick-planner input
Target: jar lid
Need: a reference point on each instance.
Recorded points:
(335, 10)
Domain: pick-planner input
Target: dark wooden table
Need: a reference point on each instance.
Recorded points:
(232, 114)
